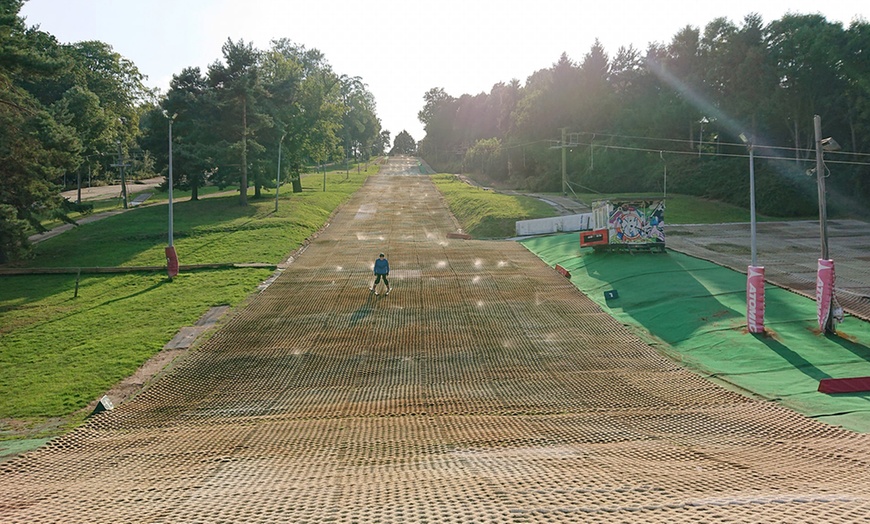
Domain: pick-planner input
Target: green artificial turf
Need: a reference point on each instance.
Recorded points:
(695, 311)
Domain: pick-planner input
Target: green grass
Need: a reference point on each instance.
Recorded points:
(486, 214)
(58, 353)
(115, 203)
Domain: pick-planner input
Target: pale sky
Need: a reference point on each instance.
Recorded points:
(400, 48)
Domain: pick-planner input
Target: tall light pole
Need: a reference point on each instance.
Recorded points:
(564, 168)
(665, 188)
(752, 220)
(754, 273)
(825, 274)
(278, 178)
(171, 255)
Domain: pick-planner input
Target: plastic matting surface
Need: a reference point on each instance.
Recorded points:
(485, 388)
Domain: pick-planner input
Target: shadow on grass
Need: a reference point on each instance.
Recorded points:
(28, 290)
(80, 311)
(118, 239)
(17, 291)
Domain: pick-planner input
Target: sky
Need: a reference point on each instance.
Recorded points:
(399, 48)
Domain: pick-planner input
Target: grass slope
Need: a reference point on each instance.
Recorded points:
(58, 353)
(486, 214)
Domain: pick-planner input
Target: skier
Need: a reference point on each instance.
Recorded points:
(382, 269)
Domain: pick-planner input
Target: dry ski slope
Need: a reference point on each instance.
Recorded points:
(485, 388)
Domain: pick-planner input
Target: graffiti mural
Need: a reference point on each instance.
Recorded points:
(636, 222)
(633, 222)
(626, 225)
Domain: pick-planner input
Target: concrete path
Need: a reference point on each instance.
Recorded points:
(484, 388)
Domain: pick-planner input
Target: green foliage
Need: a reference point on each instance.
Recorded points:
(485, 156)
(486, 214)
(13, 235)
(70, 111)
(404, 144)
(57, 352)
(631, 115)
(234, 122)
(60, 106)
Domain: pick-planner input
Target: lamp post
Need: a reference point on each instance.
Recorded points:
(171, 255)
(665, 188)
(825, 274)
(752, 237)
(278, 177)
(754, 273)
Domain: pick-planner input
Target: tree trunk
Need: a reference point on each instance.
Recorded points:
(243, 183)
(194, 190)
(297, 181)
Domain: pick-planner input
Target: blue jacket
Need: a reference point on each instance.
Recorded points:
(382, 267)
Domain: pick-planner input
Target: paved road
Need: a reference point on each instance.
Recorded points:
(485, 388)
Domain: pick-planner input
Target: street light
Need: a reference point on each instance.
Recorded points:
(754, 273)
(751, 148)
(278, 178)
(171, 255)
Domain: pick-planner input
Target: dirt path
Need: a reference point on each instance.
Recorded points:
(114, 190)
(485, 388)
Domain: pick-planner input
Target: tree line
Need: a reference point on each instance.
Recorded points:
(676, 113)
(70, 112)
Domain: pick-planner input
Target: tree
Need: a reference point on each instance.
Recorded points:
(767, 81)
(381, 144)
(360, 124)
(237, 87)
(404, 144)
(192, 105)
(806, 52)
(305, 105)
(34, 148)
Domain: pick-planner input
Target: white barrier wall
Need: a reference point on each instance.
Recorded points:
(543, 226)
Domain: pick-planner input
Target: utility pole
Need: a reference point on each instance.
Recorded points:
(564, 166)
(825, 276)
(820, 177)
(121, 165)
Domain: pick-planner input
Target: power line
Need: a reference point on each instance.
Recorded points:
(809, 151)
(705, 153)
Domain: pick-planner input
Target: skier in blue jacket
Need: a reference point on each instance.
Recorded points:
(382, 269)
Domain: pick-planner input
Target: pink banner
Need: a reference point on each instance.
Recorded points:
(824, 292)
(755, 299)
